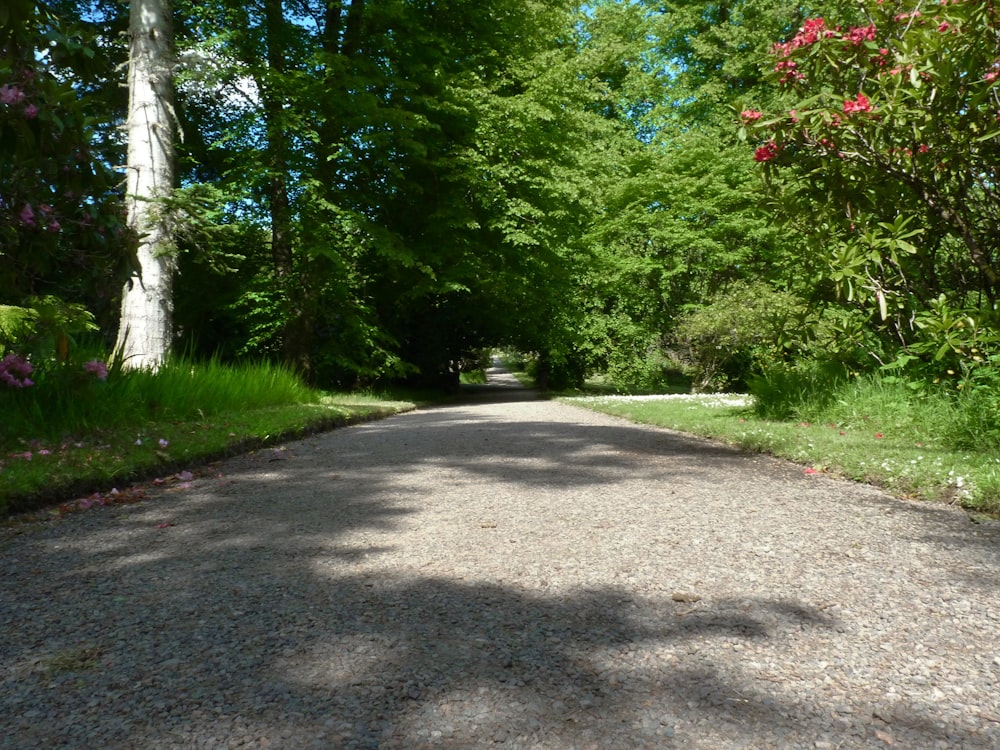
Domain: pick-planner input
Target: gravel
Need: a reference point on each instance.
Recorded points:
(508, 572)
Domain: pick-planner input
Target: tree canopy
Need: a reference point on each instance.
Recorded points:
(388, 188)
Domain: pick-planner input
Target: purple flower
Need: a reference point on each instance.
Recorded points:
(14, 371)
(30, 112)
(11, 94)
(27, 215)
(96, 367)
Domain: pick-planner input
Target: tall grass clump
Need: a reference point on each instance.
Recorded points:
(889, 404)
(817, 393)
(797, 391)
(976, 421)
(68, 399)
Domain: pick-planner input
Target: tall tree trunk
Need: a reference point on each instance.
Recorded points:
(146, 329)
(296, 332)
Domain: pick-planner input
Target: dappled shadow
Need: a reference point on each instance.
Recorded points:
(282, 653)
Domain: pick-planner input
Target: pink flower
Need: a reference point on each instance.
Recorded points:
(861, 104)
(30, 112)
(861, 34)
(54, 226)
(750, 115)
(98, 369)
(766, 152)
(811, 32)
(14, 371)
(791, 72)
(11, 94)
(27, 215)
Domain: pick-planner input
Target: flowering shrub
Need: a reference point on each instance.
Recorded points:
(887, 155)
(14, 371)
(60, 203)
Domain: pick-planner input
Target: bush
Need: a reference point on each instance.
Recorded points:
(723, 342)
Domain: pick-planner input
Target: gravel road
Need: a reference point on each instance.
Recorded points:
(504, 573)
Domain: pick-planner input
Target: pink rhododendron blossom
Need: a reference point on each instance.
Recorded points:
(766, 152)
(790, 71)
(750, 115)
(861, 104)
(96, 368)
(27, 215)
(14, 371)
(811, 32)
(11, 94)
(861, 34)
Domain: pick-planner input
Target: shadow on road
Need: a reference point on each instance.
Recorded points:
(260, 620)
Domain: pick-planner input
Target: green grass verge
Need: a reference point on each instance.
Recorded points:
(40, 473)
(903, 457)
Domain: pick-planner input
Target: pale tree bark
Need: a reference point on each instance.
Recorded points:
(146, 329)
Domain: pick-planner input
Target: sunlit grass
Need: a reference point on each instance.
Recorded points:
(883, 440)
(67, 436)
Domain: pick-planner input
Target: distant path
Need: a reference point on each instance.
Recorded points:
(509, 572)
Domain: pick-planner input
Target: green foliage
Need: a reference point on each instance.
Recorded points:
(683, 219)
(60, 217)
(16, 325)
(741, 329)
(977, 410)
(878, 432)
(883, 156)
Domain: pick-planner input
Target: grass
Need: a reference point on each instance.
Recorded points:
(874, 434)
(66, 444)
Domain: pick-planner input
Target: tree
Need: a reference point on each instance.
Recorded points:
(146, 330)
(890, 140)
(683, 220)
